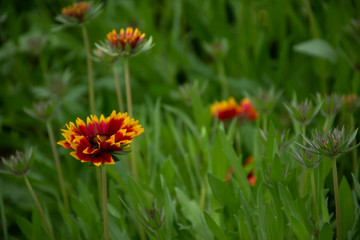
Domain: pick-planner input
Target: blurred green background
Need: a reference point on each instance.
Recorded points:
(259, 44)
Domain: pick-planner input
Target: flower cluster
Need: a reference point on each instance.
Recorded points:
(125, 43)
(226, 110)
(331, 144)
(250, 176)
(76, 10)
(77, 14)
(18, 164)
(99, 140)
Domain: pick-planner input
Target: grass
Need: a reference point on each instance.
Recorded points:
(183, 156)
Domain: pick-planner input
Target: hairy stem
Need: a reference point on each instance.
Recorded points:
(46, 224)
(337, 199)
(104, 201)
(130, 111)
(118, 89)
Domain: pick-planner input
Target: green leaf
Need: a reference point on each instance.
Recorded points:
(221, 191)
(137, 194)
(317, 48)
(299, 229)
(235, 162)
(326, 232)
(243, 228)
(216, 230)
(277, 170)
(192, 212)
(24, 225)
(347, 207)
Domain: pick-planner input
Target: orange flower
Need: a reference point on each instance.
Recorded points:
(248, 111)
(97, 140)
(225, 110)
(76, 10)
(250, 177)
(129, 37)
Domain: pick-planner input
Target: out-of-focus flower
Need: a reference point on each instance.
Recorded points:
(104, 57)
(247, 110)
(303, 112)
(250, 176)
(281, 137)
(42, 110)
(78, 13)
(225, 110)
(331, 144)
(218, 49)
(265, 102)
(127, 42)
(331, 104)
(100, 140)
(305, 157)
(351, 102)
(18, 164)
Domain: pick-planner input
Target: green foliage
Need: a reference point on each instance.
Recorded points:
(264, 50)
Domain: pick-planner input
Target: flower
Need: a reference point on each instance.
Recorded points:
(76, 10)
(351, 102)
(225, 110)
(250, 177)
(99, 140)
(331, 144)
(247, 110)
(303, 112)
(18, 164)
(77, 14)
(125, 43)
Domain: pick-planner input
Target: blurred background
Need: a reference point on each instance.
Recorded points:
(291, 46)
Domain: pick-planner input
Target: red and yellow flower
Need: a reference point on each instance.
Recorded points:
(247, 110)
(76, 10)
(130, 37)
(225, 110)
(97, 140)
(250, 176)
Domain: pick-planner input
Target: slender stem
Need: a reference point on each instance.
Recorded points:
(118, 89)
(222, 77)
(354, 152)
(337, 199)
(89, 71)
(203, 195)
(303, 175)
(315, 206)
(46, 224)
(104, 201)
(58, 165)
(264, 123)
(3, 218)
(91, 92)
(130, 111)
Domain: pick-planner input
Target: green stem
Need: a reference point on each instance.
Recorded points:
(315, 206)
(222, 77)
(89, 71)
(337, 199)
(130, 111)
(3, 218)
(264, 123)
(91, 92)
(118, 89)
(58, 165)
(46, 224)
(203, 195)
(104, 201)
(354, 152)
(304, 178)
